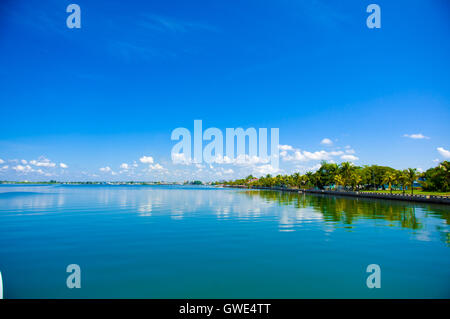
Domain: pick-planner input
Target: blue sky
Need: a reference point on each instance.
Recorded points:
(111, 92)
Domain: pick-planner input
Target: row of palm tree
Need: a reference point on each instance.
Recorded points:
(344, 176)
(402, 178)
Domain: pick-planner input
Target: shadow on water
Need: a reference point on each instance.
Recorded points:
(347, 211)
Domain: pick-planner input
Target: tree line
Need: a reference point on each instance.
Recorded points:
(347, 176)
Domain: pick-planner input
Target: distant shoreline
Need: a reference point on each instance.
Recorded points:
(102, 183)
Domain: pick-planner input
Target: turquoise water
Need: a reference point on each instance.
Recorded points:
(200, 242)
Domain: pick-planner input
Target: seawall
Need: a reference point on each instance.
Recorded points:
(406, 197)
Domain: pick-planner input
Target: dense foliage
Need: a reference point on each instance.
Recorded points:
(348, 176)
(437, 178)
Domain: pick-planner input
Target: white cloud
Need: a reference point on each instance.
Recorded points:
(40, 171)
(286, 147)
(62, 165)
(313, 168)
(219, 159)
(348, 157)
(200, 166)
(105, 169)
(241, 160)
(250, 160)
(436, 160)
(265, 169)
(28, 169)
(321, 155)
(24, 162)
(20, 168)
(418, 136)
(304, 156)
(1, 161)
(42, 162)
(124, 166)
(445, 153)
(180, 158)
(5, 167)
(25, 169)
(146, 159)
(326, 141)
(156, 167)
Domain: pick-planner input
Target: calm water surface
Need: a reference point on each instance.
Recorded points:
(199, 242)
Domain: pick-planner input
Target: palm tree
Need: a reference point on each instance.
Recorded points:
(411, 176)
(317, 180)
(356, 179)
(339, 180)
(266, 181)
(279, 180)
(445, 166)
(346, 172)
(309, 177)
(390, 179)
(303, 180)
(402, 179)
(297, 179)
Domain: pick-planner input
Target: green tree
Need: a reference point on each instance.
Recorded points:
(325, 174)
(356, 179)
(339, 180)
(297, 179)
(402, 179)
(309, 179)
(437, 178)
(346, 170)
(389, 178)
(411, 177)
